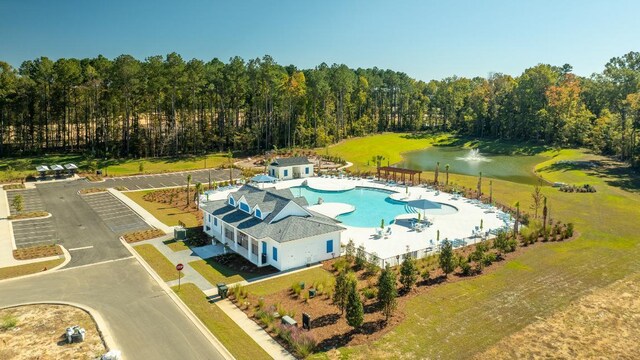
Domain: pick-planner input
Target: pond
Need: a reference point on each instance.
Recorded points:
(516, 168)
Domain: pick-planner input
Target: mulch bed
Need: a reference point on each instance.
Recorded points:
(28, 215)
(94, 178)
(143, 235)
(36, 252)
(13, 186)
(92, 190)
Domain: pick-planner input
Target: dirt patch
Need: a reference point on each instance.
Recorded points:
(36, 252)
(143, 235)
(603, 324)
(92, 190)
(28, 215)
(38, 333)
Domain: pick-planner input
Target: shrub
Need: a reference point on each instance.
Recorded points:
(361, 258)
(568, 232)
(369, 293)
(296, 288)
(266, 317)
(340, 264)
(260, 303)
(280, 310)
(8, 322)
(488, 259)
(303, 342)
(465, 267)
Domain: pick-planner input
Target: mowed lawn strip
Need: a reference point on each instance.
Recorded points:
(20, 270)
(176, 245)
(236, 340)
(216, 273)
(160, 264)
(461, 319)
(279, 283)
(167, 214)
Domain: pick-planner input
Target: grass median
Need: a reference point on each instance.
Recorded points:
(236, 340)
(160, 264)
(20, 270)
(276, 284)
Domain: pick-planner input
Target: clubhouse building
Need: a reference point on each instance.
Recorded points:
(272, 227)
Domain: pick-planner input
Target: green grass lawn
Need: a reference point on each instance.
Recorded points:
(176, 245)
(169, 215)
(220, 325)
(274, 285)
(20, 270)
(160, 264)
(216, 273)
(16, 168)
(461, 319)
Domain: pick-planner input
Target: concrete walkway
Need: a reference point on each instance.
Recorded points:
(254, 331)
(144, 214)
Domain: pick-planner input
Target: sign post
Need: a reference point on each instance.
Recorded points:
(179, 267)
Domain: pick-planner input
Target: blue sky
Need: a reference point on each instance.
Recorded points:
(425, 39)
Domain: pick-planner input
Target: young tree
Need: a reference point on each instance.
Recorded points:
(355, 310)
(18, 203)
(446, 260)
(350, 250)
(446, 175)
(230, 157)
(341, 290)
(188, 188)
(361, 257)
(536, 195)
(515, 223)
(545, 213)
(387, 291)
(435, 174)
(480, 186)
(408, 272)
(490, 191)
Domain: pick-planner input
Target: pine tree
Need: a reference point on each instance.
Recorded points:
(350, 250)
(361, 257)
(341, 291)
(387, 291)
(18, 203)
(355, 310)
(408, 272)
(188, 188)
(447, 263)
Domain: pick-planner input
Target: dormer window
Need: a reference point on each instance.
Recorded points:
(232, 202)
(245, 207)
(258, 213)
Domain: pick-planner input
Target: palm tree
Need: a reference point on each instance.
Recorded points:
(188, 186)
(230, 157)
(435, 175)
(515, 224)
(197, 194)
(480, 186)
(446, 169)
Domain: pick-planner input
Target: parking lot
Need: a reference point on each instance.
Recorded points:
(31, 200)
(116, 215)
(169, 180)
(34, 232)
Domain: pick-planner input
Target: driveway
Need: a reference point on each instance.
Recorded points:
(144, 321)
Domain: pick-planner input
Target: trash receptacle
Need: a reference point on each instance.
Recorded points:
(312, 293)
(223, 290)
(98, 172)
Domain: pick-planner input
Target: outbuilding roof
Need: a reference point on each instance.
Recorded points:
(291, 161)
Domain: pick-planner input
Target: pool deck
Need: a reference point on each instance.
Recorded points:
(460, 225)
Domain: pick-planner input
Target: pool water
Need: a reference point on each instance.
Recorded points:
(371, 205)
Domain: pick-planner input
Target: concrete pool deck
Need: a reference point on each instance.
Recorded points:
(460, 225)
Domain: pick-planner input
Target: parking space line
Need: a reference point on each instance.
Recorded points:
(81, 248)
(116, 217)
(34, 242)
(138, 186)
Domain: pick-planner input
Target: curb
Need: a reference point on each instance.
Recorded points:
(185, 309)
(67, 259)
(103, 329)
(33, 218)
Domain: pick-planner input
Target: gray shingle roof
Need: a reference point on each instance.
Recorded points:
(286, 229)
(291, 161)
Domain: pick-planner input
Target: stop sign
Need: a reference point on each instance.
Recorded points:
(179, 267)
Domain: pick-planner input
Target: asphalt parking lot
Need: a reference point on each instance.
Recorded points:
(36, 232)
(31, 200)
(155, 181)
(118, 217)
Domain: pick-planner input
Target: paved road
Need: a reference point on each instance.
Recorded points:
(144, 321)
(168, 180)
(116, 214)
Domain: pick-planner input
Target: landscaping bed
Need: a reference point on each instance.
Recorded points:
(229, 268)
(170, 213)
(38, 332)
(142, 235)
(13, 186)
(35, 252)
(28, 215)
(92, 190)
(93, 178)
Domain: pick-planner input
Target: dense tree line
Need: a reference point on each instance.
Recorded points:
(168, 106)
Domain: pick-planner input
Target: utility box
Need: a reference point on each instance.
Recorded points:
(306, 321)
(288, 320)
(223, 290)
(312, 293)
(179, 233)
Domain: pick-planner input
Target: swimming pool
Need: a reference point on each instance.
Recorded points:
(371, 205)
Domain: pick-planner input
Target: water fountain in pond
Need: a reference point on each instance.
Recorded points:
(474, 156)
